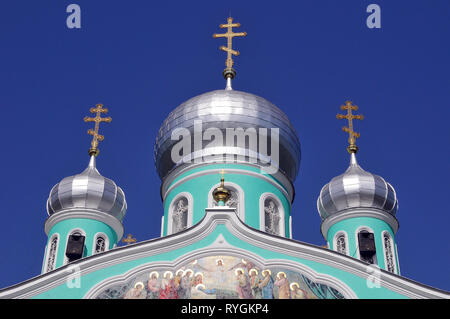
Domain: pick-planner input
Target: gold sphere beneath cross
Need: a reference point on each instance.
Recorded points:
(94, 151)
(229, 73)
(352, 148)
(221, 194)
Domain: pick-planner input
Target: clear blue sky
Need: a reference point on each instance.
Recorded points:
(143, 58)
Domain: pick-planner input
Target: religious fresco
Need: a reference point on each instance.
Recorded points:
(220, 277)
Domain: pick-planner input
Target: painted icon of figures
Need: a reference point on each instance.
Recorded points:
(283, 286)
(138, 292)
(198, 279)
(212, 277)
(220, 273)
(202, 292)
(153, 286)
(254, 283)
(177, 280)
(266, 284)
(184, 290)
(246, 264)
(167, 289)
(243, 287)
(297, 292)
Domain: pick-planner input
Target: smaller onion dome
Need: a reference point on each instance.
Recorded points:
(89, 190)
(356, 188)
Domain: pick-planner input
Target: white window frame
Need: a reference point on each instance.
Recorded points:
(240, 211)
(370, 230)
(394, 260)
(71, 232)
(44, 257)
(347, 248)
(190, 211)
(262, 216)
(94, 244)
(290, 227)
(49, 245)
(398, 262)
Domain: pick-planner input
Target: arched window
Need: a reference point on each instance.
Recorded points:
(179, 215)
(388, 252)
(340, 243)
(101, 243)
(271, 215)
(366, 246)
(74, 246)
(51, 253)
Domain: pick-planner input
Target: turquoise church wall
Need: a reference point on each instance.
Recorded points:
(89, 226)
(357, 284)
(252, 186)
(351, 225)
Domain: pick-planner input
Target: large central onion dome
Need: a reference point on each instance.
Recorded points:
(228, 109)
(89, 190)
(356, 188)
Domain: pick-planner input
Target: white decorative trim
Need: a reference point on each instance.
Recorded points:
(162, 226)
(358, 212)
(347, 248)
(398, 261)
(290, 226)
(240, 193)
(190, 211)
(44, 257)
(94, 243)
(71, 232)
(86, 213)
(262, 220)
(394, 259)
(288, 194)
(213, 218)
(49, 245)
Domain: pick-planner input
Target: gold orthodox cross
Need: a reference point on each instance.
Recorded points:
(129, 240)
(352, 148)
(98, 109)
(229, 71)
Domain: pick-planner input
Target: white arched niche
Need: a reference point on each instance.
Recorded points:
(271, 215)
(180, 208)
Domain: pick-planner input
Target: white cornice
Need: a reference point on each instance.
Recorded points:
(282, 183)
(85, 213)
(358, 212)
(213, 218)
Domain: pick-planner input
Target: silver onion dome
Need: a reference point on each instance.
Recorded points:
(224, 109)
(356, 188)
(89, 190)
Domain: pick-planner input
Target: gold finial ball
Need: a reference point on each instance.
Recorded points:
(352, 148)
(221, 194)
(229, 73)
(94, 151)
